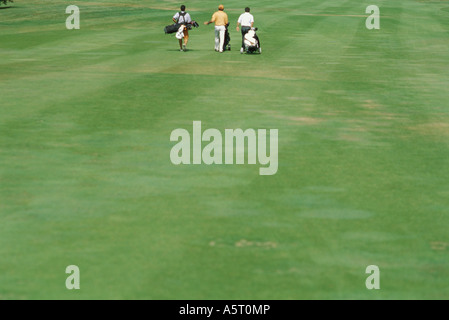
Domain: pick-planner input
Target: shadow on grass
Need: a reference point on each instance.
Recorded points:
(6, 7)
(188, 50)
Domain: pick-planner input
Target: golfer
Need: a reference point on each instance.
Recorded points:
(246, 20)
(183, 18)
(221, 21)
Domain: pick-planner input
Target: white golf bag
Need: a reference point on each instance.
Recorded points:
(252, 42)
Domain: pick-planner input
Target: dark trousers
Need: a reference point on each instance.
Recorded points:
(244, 31)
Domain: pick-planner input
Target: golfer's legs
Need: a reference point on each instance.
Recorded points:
(222, 37)
(186, 36)
(244, 31)
(217, 38)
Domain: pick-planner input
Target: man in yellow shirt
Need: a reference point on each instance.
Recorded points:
(221, 21)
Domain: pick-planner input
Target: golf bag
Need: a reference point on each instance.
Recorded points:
(227, 40)
(252, 42)
(180, 34)
(173, 28)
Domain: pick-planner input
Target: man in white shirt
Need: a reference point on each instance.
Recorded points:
(183, 18)
(246, 20)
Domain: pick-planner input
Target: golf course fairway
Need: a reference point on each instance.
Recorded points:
(86, 177)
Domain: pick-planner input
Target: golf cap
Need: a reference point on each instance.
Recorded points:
(221, 7)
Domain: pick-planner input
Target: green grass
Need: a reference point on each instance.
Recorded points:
(86, 177)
